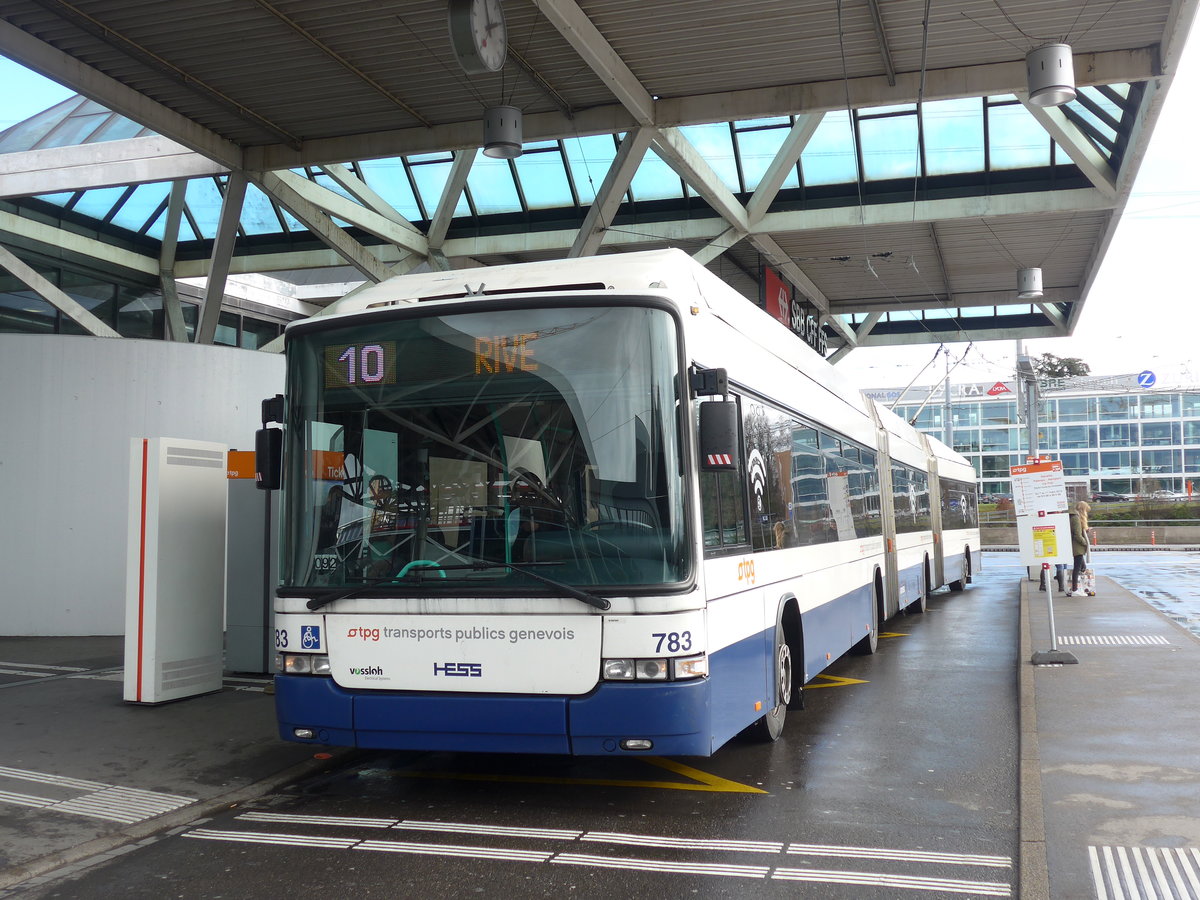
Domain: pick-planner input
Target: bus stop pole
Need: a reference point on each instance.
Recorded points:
(1053, 656)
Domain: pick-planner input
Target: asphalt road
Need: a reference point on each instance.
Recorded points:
(898, 779)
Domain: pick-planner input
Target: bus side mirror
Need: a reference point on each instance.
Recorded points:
(718, 436)
(268, 459)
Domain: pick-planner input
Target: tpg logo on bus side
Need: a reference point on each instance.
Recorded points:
(459, 670)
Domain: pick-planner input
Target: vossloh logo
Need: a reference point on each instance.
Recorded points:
(366, 670)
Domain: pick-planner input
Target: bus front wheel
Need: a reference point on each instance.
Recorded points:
(770, 726)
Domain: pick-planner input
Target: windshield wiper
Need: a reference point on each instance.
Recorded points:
(476, 565)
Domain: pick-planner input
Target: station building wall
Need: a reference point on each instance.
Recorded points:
(69, 407)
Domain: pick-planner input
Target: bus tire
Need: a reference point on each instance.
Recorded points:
(870, 642)
(768, 728)
(965, 578)
(919, 605)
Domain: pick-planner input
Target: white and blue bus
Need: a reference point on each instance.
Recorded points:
(595, 506)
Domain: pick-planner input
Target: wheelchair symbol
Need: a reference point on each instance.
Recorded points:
(310, 637)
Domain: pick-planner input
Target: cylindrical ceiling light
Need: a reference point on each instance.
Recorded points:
(502, 132)
(1029, 284)
(1051, 75)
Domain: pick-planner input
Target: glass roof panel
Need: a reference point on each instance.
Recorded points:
(889, 146)
(118, 128)
(431, 171)
(140, 205)
(544, 178)
(977, 312)
(98, 202)
(326, 182)
(715, 143)
(388, 178)
(757, 147)
(590, 158)
(258, 214)
(1016, 138)
(62, 198)
(953, 136)
(204, 202)
(655, 180)
(829, 156)
(493, 189)
(74, 130)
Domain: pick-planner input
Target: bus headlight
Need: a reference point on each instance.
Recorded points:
(655, 669)
(652, 669)
(691, 667)
(302, 664)
(618, 670)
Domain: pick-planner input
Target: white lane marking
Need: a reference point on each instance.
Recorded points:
(658, 865)
(876, 879)
(951, 859)
(538, 856)
(286, 840)
(949, 885)
(641, 840)
(118, 804)
(1115, 640)
(1136, 872)
(24, 799)
(102, 801)
(344, 821)
(29, 665)
(56, 780)
(554, 834)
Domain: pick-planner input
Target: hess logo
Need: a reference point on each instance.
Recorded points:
(459, 669)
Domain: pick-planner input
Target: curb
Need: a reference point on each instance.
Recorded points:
(1032, 871)
(43, 865)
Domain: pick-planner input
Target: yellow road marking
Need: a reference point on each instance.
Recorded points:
(887, 634)
(701, 781)
(833, 681)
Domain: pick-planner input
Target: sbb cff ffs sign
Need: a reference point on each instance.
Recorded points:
(778, 301)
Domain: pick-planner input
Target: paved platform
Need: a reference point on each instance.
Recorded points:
(1110, 749)
(1109, 775)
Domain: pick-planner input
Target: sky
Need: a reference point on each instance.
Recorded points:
(1141, 313)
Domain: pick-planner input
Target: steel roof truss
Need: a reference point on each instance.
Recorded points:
(368, 220)
(679, 153)
(222, 253)
(20, 46)
(176, 329)
(608, 198)
(784, 162)
(1082, 152)
(52, 295)
(595, 50)
(451, 191)
(316, 220)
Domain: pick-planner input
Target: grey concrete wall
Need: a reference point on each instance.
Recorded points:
(69, 407)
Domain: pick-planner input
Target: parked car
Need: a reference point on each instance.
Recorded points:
(1108, 497)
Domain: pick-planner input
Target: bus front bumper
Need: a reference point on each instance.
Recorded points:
(674, 717)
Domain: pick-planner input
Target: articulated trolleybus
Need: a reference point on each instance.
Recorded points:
(593, 506)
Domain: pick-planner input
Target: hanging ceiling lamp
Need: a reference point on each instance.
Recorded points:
(502, 132)
(1051, 75)
(1029, 284)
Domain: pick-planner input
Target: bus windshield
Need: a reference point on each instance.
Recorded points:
(485, 453)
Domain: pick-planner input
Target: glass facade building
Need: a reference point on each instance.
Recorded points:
(1133, 441)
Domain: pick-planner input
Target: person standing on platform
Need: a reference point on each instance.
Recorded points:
(1079, 546)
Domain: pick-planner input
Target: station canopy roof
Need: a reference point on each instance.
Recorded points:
(881, 155)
